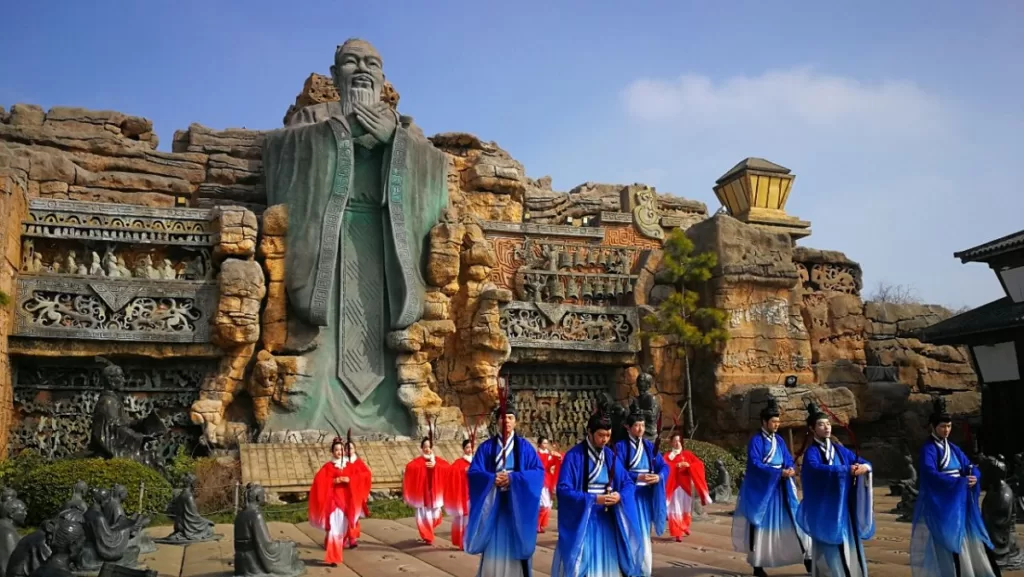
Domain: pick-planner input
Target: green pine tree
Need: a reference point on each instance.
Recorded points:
(694, 327)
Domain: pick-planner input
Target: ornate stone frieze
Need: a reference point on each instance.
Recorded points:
(574, 327)
(115, 309)
(92, 221)
(836, 277)
(556, 401)
(55, 401)
(524, 228)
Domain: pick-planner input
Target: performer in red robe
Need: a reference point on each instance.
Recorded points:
(335, 500)
(686, 483)
(552, 462)
(358, 469)
(423, 488)
(456, 495)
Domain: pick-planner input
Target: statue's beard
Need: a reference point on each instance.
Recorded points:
(364, 96)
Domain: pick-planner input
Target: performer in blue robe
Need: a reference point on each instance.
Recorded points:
(598, 532)
(764, 524)
(836, 512)
(505, 480)
(646, 469)
(949, 537)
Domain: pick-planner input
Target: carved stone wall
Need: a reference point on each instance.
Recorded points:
(13, 203)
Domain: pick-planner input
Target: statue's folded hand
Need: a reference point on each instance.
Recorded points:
(378, 120)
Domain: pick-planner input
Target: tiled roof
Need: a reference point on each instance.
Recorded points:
(753, 163)
(996, 315)
(992, 248)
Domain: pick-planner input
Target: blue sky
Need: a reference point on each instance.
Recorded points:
(901, 120)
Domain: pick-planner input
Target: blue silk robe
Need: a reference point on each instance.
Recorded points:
(502, 525)
(764, 524)
(652, 507)
(948, 529)
(595, 541)
(836, 512)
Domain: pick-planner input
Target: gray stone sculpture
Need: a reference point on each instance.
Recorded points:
(77, 500)
(66, 540)
(12, 516)
(997, 510)
(106, 542)
(34, 549)
(113, 508)
(647, 403)
(899, 488)
(363, 190)
(722, 491)
(256, 553)
(189, 525)
(113, 434)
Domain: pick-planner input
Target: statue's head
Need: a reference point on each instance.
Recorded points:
(99, 496)
(358, 73)
(80, 488)
(15, 510)
(119, 492)
(7, 493)
(189, 481)
(112, 374)
(254, 494)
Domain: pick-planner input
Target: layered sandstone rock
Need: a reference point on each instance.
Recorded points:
(590, 199)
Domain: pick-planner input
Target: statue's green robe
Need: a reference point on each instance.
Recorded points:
(359, 222)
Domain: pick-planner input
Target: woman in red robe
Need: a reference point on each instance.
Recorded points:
(336, 498)
(456, 496)
(552, 462)
(686, 482)
(358, 469)
(423, 488)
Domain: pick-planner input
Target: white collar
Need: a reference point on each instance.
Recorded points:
(544, 451)
(468, 458)
(767, 435)
(674, 453)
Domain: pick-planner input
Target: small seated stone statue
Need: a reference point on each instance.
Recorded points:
(907, 484)
(256, 553)
(113, 434)
(77, 500)
(106, 543)
(66, 540)
(997, 510)
(722, 491)
(34, 549)
(113, 508)
(189, 525)
(12, 516)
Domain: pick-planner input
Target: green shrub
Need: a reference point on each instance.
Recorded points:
(13, 470)
(46, 487)
(181, 465)
(709, 454)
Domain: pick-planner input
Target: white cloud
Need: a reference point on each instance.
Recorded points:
(794, 99)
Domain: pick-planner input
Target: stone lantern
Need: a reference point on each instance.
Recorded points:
(755, 191)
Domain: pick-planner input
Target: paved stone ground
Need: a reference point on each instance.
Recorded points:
(391, 549)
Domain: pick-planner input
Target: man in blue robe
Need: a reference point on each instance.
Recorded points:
(646, 469)
(505, 480)
(598, 532)
(836, 512)
(764, 524)
(949, 537)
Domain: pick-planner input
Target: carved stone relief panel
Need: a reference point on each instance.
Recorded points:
(836, 277)
(556, 401)
(55, 399)
(574, 327)
(74, 220)
(115, 309)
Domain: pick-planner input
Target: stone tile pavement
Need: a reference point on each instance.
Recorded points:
(391, 549)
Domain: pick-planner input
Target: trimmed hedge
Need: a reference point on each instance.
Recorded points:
(45, 487)
(709, 454)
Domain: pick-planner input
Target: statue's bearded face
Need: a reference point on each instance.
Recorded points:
(358, 74)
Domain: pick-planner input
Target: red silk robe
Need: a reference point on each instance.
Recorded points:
(683, 485)
(337, 507)
(423, 489)
(456, 499)
(552, 463)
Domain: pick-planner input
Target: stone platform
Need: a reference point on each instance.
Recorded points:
(391, 549)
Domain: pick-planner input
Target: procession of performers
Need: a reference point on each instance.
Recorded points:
(612, 499)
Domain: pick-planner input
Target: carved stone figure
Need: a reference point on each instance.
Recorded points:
(618, 414)
(106, 542)
(70, 266)
(110, 265)
(122, 268)
(167, 271)
(34, 549)
(363, 190)
(189, 525)
(67, 537)
(96, 267)
(997, 510)
(722, 491)
(113, 435)
(256, 553)
(647, 403)
(77, 500)
(12, 516)
(113, 508)
(6, 494)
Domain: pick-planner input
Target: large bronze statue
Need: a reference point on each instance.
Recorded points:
(363, 191)
(998, 512)
(12, 516)
(189, 525)
(256, 553)
(106, 542)
(113, 434)
(647, 404)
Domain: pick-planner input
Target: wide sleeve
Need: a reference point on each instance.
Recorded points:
(525, 485)
(456, 496)
(659, 514)
(630, 542)
(320, 498)
(673, 477)
(360, 480)
(758, 483)
(698, 475)
(575, 507)
(821, 512)
(414, 483)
